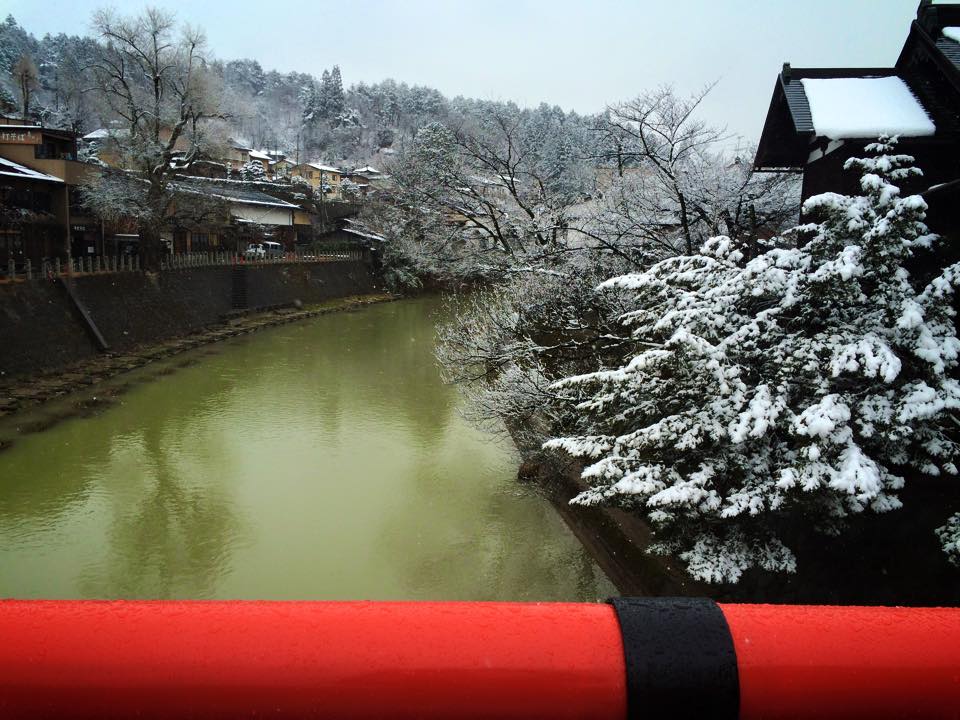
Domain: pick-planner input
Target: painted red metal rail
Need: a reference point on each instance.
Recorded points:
(485, 660)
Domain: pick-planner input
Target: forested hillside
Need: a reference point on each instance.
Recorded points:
(294, 112)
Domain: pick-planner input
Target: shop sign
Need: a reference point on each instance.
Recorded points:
(19, 137)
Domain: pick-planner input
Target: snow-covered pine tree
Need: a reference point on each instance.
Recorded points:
(310, 101)
(335, 97)
(252, 170)
(8, 103)
(330, 98)
(782, 394)
(323, 96)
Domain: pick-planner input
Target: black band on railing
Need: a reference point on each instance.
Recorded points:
(680, 659)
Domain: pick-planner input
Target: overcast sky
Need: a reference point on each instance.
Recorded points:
(579, 54)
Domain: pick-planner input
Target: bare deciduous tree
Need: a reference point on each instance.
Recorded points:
(153, 77)
(27, 77)
(685, 184)
(667, 137)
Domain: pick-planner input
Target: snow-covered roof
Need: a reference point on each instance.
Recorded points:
(257, 155)
(101, 133)
(865, 107)
(272, 202)
(324, 168)
(368, 170)
(952, 32)
(242, 196)
(9, 168)
(367, 235)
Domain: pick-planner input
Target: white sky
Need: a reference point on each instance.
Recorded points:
(580, 55)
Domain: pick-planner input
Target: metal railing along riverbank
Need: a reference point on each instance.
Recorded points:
(99, 264)
(651, 657)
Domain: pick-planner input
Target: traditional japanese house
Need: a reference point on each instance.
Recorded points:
(820, 117)
(238, 155)
(32, 154)
(323, 177)
(211, 216)
(32, 215)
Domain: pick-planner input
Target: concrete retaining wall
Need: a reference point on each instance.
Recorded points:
(40, 329)
(309, 282)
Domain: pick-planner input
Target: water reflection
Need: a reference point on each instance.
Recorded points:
(321, 460)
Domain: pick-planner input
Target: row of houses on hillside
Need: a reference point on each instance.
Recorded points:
(239, 160)
(42, 214)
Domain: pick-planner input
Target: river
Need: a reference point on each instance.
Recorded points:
(319, 460)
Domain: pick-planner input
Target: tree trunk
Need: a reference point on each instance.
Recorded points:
(685, 223)
(150, 247)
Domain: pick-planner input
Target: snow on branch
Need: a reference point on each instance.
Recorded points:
(802, 386)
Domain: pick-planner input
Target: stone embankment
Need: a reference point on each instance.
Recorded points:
(52, 323)
(34, 403)
(67, 333)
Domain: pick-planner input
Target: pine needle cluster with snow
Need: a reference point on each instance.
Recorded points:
(793, 390)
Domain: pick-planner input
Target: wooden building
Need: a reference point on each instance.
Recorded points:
(31, 215)
(32, 153)
(238, 155)
(279, 167)
(323, 177)
(820, 117)
(231, 217)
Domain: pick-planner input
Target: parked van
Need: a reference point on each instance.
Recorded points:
(265, 250)
(272, 249)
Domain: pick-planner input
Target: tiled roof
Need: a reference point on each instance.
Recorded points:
(798, 104)
(950, 49)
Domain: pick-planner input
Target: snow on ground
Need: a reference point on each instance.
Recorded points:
(865, 108)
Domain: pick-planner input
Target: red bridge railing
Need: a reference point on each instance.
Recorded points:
(667, 658)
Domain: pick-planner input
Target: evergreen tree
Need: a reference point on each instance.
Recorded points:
(335, 97)
(791, 391)
(8, 103)
(310, 101)
(324, 96)
(331, 100)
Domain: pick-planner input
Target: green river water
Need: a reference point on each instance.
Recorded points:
(320, 460)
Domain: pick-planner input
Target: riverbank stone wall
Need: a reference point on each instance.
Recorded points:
(42, 329)
(39, 329)
(269, 285)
